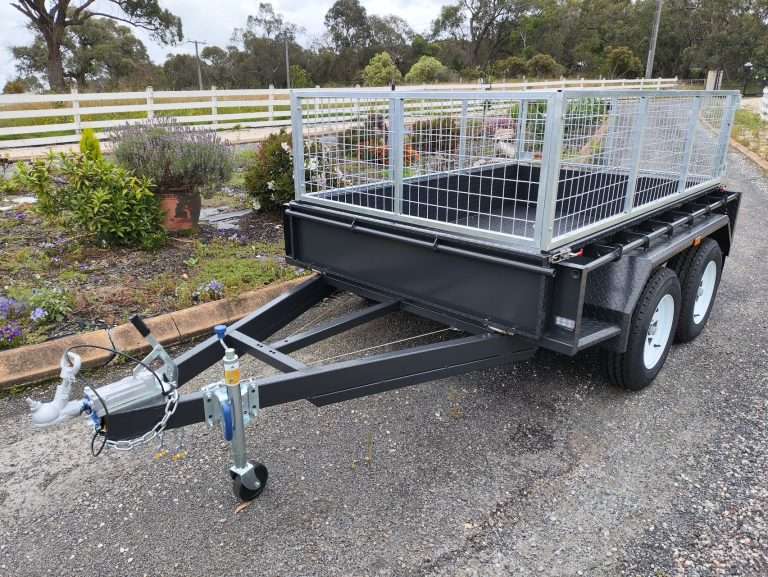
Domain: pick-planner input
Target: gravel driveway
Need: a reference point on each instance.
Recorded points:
(536, 469)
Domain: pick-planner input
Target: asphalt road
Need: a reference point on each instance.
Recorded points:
(536, 469)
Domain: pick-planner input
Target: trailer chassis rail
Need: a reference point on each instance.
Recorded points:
(233, 405)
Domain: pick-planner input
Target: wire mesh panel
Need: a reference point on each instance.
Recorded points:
(474, 162)
(346, 150)
(623, 153)
(596, 153)
(538, 169)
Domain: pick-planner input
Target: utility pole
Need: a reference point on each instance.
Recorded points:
(287, 64)
(197, 57)
(654, 38)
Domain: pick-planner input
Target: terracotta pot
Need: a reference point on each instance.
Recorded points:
(181, 208)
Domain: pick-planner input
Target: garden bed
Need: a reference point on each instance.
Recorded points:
(56, 283)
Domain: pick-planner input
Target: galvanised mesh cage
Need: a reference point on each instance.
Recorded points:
(537, 170)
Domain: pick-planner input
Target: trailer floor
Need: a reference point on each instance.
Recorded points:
(537, 469)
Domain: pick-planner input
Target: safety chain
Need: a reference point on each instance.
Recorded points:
(128, 444)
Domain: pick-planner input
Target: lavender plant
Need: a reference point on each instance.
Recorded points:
(174, 156)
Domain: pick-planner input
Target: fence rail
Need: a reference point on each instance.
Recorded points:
(46, 119)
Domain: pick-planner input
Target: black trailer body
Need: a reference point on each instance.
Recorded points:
(562, 220)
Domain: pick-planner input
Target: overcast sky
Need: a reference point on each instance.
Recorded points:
(214, 21)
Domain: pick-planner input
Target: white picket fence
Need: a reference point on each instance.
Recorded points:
(764, 105)
(66, 115)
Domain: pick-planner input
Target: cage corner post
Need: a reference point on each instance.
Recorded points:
(549, 171)
(297, 139)
(693, 123)
(396, 147)
(636, 149)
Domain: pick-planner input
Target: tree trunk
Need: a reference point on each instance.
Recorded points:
(55, 64)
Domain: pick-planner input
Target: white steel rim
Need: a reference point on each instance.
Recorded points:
(659, 331)
(705, 292)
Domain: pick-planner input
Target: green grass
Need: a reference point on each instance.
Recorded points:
(238, 267)
(24, 261)
(748, 120)
(751, 131)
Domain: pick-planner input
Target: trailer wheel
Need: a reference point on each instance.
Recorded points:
(246, 493)
(699, 289)
(650, 334)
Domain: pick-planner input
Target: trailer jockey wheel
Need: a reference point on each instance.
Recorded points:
(699, 288)
(241, 488)
(651, 333)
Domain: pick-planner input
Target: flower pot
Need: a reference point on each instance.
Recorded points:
(181, 208)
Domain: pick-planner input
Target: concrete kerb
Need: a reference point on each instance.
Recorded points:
(35, 363)
(759, 161)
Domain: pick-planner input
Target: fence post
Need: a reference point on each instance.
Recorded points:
(271, 103)
(297, 137)
(76, 109)
(693, 124)
(764, 105)
(150, 103)
(658, 83)
(214, 107)
(396, 136)
(636, 146)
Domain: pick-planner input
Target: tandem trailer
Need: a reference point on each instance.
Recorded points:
(561, 220)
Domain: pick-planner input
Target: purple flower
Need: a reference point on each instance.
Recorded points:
(20, 216)
(10, 308)
(10, 333)
(38, 314)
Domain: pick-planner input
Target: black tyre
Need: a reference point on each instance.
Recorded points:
(651, 332)
(245, 493)
(681, 262)
(699, 289)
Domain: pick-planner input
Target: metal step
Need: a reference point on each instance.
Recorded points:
(592, 332)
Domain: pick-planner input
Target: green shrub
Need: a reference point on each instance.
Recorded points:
(270, 178)
(97, 199)
(512, 67)
(38, 179)
(300, 78)
(174, 156)
(381, 70)
(111, 204)
(10, 186)
(621, 62)
(54, 303)
(544, 66)
(427, 69)
(89, 144)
